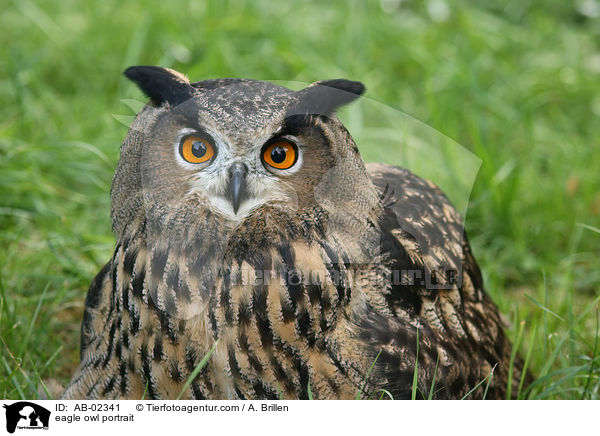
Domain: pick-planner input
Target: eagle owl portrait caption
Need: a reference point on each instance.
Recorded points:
(252, 237)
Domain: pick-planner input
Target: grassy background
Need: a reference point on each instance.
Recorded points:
(516, 82)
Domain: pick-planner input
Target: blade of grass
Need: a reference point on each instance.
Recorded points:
(19, 365)
(570, 373)
(488, 377)
(1, 300)
(12, 378)
(527, 359)
(487, 385)
(591, 373)
(513, 356)
(430, 397)
(546, 368)
(145, 391)
(33, 319)
(359, 395)
(44, 387)
(545, 309)
(585, 226)
(385, 392)
(541, 381)
(197, 369)
(413, 395)
(545, 314)
(52, 357)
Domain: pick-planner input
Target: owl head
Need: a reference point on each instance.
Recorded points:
(236, 150)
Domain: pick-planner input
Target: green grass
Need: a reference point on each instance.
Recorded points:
(197, 369)
(515, 82)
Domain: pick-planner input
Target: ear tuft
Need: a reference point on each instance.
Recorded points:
(356, 88)
(162, 85)
(326, 96)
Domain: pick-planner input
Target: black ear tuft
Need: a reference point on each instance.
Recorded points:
(356, 88)
(324, 97)
(161, 84)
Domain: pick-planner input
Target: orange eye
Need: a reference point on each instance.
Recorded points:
(280, 155)
(196, 150)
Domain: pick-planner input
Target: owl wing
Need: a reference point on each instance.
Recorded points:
(421, 229)
(435, 283)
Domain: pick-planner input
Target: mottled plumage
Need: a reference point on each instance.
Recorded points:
(303, 277)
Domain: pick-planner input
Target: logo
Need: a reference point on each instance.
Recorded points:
(26, 415)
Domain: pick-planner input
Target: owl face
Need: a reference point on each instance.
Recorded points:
(231, 148)
(235, 146)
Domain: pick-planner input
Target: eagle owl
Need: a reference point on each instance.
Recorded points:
(252, 236)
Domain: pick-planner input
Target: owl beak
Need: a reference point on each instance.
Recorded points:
(237, 185)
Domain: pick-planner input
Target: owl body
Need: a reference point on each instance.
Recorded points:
(252, 237)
